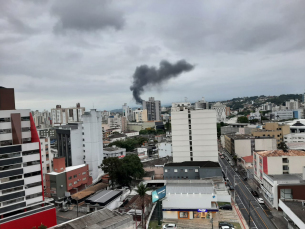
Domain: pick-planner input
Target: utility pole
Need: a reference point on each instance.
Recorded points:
(159, 218)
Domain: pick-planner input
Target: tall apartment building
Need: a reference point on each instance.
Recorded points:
(194, 134)
(127, 112)
(153, 108)
(114, 121)
(62, 116)
(82, 143)
(202, 104)
(140, 115)
(22, 202)
(42, 119)
(292, 104)
(272, 129)
(220, 111)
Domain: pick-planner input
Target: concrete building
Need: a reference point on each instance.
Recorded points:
(165, 117)
(114, 121)
(194, 134)
(192, 170)
(127, 112)
(62, 116)
(153, 108)
(294, 137)
(267, 106)
(293, 212)
(272, 129)
(22, 203)
(46, 158)
(82, 143)
(66, 179)
(303, 97)
(114, 152)
(240, 128)
(255, 115)
(228, 111)
(292, 104)
(297, 126)
(165, 149)
(190, 199)
(133, 126)
(282, 115)
(201, 104)
(140, 115)
(244, 145)
(220, 111)
(42, 119)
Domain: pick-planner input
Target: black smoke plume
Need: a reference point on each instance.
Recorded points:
(145, 76)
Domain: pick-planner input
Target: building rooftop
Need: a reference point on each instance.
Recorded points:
(202, 188)
(248, 159)
(101, 219)
(104, 197)
(287, 178)
(296, 207)
(195, 163)
(280, 153)
(238, 124)
(296, 145)
(149, 173)
(117, 136)
(113, 149)
(89, 191)
(136, 202)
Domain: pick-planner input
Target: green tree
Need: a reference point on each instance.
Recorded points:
(133, 166)
(283, 146)
(141, 190)
(111, 165)
(168, 126)
(42, 227)
(254, 121)
(242, 119)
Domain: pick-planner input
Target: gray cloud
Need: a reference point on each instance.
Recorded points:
(86, 16)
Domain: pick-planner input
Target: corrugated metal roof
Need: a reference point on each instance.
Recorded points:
(189, 188)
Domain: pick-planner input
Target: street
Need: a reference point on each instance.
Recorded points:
(245, 200)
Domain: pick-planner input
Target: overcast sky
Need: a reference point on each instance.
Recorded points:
(69, 51)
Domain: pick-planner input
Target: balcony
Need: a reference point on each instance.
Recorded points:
(26, 134)
(5, 136)
(25, 124)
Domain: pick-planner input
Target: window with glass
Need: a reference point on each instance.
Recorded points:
(286, 194)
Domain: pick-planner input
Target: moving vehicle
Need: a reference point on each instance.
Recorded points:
(226, 207)
(260, 200)
(220, 154)
(170, 226)
(254, 193)
(222, 157)
(230, 187)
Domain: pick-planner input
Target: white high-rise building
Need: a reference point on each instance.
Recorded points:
(220, 111)
(292, 104)
(127, 112)
(62, 116)
(194, 134)
(93, 142)
(202, 104)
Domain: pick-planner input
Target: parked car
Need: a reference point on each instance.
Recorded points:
(260, 200)
(170, 226)
(220, 154)
(225, 224)
(231, 187)
(222, 157)
(254, 193)
(226, 207)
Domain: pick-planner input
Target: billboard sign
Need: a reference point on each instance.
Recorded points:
(158, 194)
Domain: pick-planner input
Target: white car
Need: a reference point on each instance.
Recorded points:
(260, 200)
(170, 226)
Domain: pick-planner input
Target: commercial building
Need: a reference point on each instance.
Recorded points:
(297, 126)
(282, 115)
(194, 134)
(66, 179)
(294, 137)
(153, 108)
(220, 111)
(21, 178)
(244, 145)
(140, 115)
(62, 116)
(114, 152)
(82, 143)
(190, 199)
(133, 126)
(165, 149)
(274, 130)
(292, 104)
(293, 212)
(192, 170)
(241, 128)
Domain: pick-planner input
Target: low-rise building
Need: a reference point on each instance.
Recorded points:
(117, 137)
(282, 115)
(66, 179)
(192, 170)
(297, 126)
(272, 129)
(293, 212)
(114, 151)
(294, 137)
(247, 162)
(244, 145)
(165, 149)
(189, 199)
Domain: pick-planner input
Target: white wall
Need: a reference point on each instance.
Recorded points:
(275, 165)
(265, 144)
(165, 149)
(296, 164)
(170, 215)
(77, 146)
(243, 147)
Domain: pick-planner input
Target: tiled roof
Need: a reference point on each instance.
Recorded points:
(278, 153)
(248, 159)
(89, 191)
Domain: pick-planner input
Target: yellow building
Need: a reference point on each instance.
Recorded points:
(272, 129)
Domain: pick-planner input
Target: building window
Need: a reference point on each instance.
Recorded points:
(286, 194)
(285, 160)
(84, 178)
(83, 145)
(165, 170)
(84, 173)
(196, 171)
(75, 176)
(83, 139)
(75, 182)
(185, 170)
(70, 177)
(285, 167)
(70, 184)
(175, 170)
